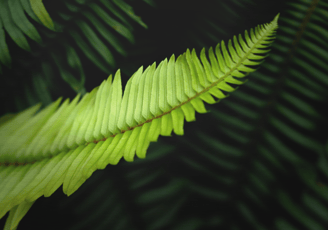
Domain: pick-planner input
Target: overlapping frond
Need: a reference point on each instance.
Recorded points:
(277, 133)
(99, 30)
(65, 144)
(15, 22)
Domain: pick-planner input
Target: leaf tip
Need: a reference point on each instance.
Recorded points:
(276, 18)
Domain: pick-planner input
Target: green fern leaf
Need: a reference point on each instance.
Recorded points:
(5, 57)
(18, 15)
(9, 24)
(64, 144)
(41, 12)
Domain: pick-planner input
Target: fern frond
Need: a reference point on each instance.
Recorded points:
(12, 14)
(65, 144)
(42, 14)
(114, 23)
(278, 125)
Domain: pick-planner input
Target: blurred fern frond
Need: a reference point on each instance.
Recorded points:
(90, 31)
(270, 145)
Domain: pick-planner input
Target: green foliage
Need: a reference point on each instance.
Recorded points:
(113, 20)
(65, 144)
(257, 161)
